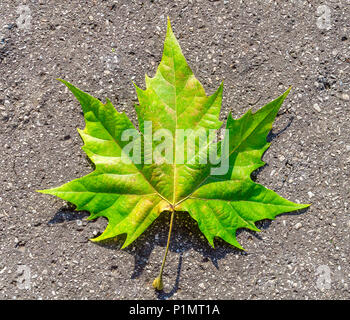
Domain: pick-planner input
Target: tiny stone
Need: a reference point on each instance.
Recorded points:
(310, 194)
(201, 285)
(317, 107)
(345, 97)
(298, 226)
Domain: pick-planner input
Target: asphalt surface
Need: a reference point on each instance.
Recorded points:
(259, 49)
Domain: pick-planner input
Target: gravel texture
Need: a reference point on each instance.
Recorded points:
(259, 49)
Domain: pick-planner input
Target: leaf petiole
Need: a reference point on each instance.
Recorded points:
(158, 282)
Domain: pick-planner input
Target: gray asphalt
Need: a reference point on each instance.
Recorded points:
(259, 49)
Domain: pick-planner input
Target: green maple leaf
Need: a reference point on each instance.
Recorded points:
(132, 195)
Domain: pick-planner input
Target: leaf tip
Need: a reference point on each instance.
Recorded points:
(137, 88)
(124, 245)
(211, 241)
(168, 22)
(301, 206)
(100, 237)
(97, 239)
(63, 81)
(287, 91)
(238, 245)
(304, 206)
(45, 191)
(169, 28)
(71, 87)
(127, 242)
(221, 87)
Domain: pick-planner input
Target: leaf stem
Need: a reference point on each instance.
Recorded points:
(158, 282)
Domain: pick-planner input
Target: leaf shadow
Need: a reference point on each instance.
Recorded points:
(67, 213)
(272, 136)
(186, 236)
